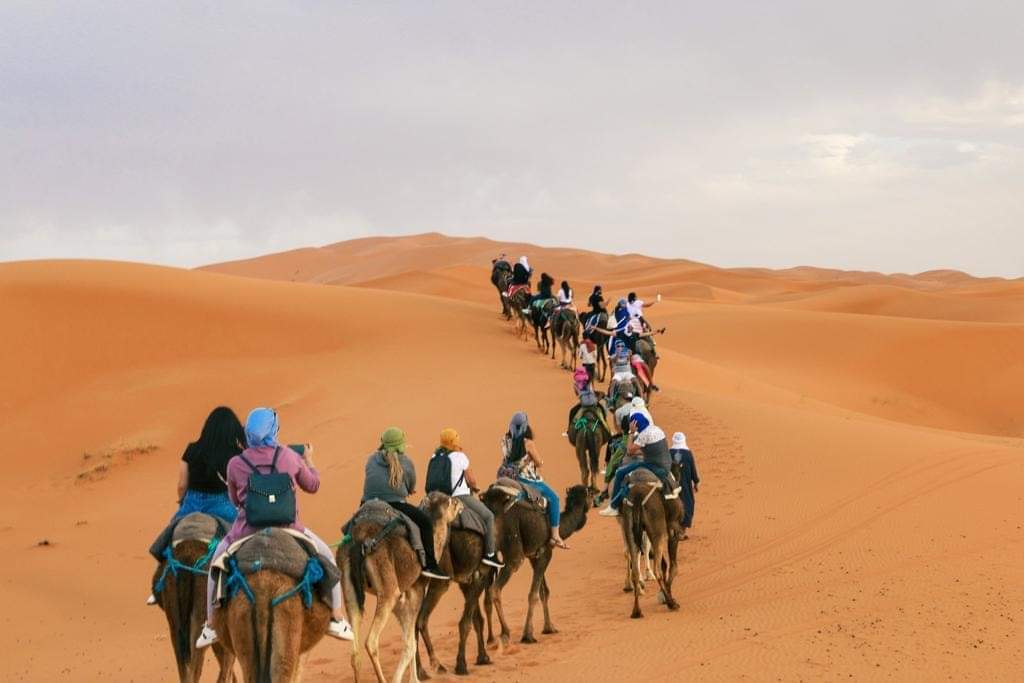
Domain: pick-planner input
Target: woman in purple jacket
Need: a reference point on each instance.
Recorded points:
(261, 434)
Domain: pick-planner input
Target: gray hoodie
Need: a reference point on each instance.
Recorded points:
(376, 483)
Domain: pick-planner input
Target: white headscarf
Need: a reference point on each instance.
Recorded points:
(524, 263)
(638, 405)
(679, 441)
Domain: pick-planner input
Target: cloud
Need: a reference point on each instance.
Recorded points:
(868, 136)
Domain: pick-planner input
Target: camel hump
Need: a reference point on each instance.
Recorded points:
(518, 489)
(277, 550)
(197, 526)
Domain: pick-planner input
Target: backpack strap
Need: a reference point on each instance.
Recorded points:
(273, 463)
(462, 477)
(247, 462)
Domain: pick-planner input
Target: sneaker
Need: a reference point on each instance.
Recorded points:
(493, 561)
(435, 573)
(151, 600)
(609, 512)
(674, 494)
(207, 637)
(340, 630)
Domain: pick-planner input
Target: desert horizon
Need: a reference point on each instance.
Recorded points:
(858, 437)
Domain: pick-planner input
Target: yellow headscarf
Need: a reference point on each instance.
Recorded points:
(450, 440)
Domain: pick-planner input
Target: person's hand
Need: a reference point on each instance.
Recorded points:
(696, 487)
(658, 298)
(308, 455)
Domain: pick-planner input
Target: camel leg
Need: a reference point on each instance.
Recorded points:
(646, 554)
(545, 594)
(482, 658)
(286, 640)
(539, 564)
(406, 611)
(355, 613)
(226, 662)
(494, 593)
(634, 569)
(385, 605)
(435, 591)
(470, 613)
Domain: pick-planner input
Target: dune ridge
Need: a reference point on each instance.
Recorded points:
(855, 433)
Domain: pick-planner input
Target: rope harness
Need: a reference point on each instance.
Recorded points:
(312, 575)
(173, 566)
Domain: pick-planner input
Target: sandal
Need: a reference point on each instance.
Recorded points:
(556, 543)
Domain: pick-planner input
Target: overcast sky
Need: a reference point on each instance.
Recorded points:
(886, 136)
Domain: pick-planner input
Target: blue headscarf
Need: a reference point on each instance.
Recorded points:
(641, 420)
(261, 428)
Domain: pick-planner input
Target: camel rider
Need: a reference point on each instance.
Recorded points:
(391, 478)
(564, 296)
(635, 306)
(648, 441)
(596, 303)
(626, 361)
(542, 296)
(500, 263)
(587, 397)
(521, 272)
(265, 453)
(615, 454)
(520, 452)
(463, 488)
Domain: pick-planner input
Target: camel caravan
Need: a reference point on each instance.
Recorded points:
(239, 573)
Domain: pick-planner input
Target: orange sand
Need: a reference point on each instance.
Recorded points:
(858, 436)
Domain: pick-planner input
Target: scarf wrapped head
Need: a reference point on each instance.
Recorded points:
(450, 440)
(392, 440)
(261, 428)
(581, 378)
(517, 427)
(679, 441)
(641, 421)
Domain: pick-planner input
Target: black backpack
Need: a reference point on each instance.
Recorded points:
(439, 473)
(270, 499)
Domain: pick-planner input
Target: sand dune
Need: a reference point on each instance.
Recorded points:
(857, 435)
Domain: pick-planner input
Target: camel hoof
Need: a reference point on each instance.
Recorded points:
(461, 669)
(423, 675)
(627, 589)
(505, 640)
(673, 605)
(550, 631)
(492, 641)
(483, 660)
(528, 640)
(637, 614)
(440, 669)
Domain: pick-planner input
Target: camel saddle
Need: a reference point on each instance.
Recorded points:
(277, 549)
(197, 526)
(469, 521)
(391, 521)
(520, 491)
(588, 417)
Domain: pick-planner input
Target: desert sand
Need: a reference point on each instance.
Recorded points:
(859, 438)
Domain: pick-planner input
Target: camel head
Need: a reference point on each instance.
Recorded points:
(442, 510)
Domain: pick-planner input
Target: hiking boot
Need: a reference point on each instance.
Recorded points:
(207, 637)
(609, 512)
(340, 630)
(493, 561)
(674, 494)
(151, 600)
(435, 573)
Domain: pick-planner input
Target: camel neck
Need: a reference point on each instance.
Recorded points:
(571, 522)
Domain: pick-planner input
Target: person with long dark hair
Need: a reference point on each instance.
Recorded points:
(202, 475)
(521, 455)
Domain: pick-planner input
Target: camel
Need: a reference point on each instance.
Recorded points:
(589, 434)
(271, 642)
(183, 600)
(645, 511)
(519, 302)
(391, 571)
(523, 533)
(646, 350)
(565, 329)
(601, 322)
(501, 278)
(462, 561)
(624, 390)
(540, 318)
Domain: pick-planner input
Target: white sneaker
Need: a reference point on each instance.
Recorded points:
(492, 561)
(609, 512)
(674, 494)
(340, 630)
(207, 637)
(151, 600)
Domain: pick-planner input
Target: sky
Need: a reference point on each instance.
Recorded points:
(870, 135)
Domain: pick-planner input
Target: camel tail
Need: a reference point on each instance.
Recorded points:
(262, 649)
(183, 620)
(356, 563)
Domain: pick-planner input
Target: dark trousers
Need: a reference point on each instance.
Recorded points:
(687, 496)
(420, 519)
(589, 367)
